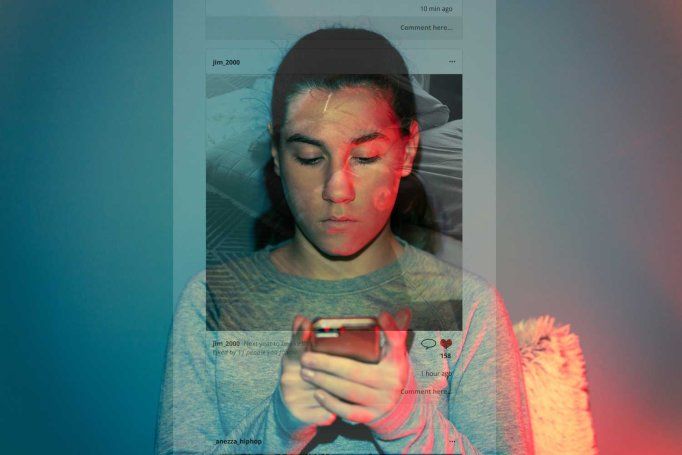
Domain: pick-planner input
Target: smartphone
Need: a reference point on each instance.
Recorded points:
(358, 338)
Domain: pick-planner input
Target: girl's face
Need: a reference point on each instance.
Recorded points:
(341, 160)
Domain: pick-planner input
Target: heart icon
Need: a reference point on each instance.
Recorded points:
(446, 343)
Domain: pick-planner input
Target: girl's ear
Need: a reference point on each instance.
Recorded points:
(410, 149)
(273, 150)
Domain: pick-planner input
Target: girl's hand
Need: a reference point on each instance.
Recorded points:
(297, 394)
(361, 392)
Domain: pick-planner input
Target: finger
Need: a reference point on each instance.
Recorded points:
(307, 329)
(395, 336)
(351, 412)
(319, 416)
(403, 318)
(352, 370)
(297, 343)
(303, 398)
(345, 389)
(291, 377)
(298, 319)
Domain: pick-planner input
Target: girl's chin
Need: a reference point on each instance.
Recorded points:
(340, 245)
(343, 249)
(345, 243)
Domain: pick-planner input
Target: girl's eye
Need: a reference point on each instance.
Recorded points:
(309, 161)
(368, 160)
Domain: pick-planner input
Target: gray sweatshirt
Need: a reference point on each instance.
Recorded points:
(233, 324)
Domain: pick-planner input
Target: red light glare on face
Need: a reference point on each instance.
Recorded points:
(383, 199)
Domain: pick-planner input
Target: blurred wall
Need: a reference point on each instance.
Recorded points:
(85, 237)
(589, 219)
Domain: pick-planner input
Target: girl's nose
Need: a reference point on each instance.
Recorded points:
(339, 187)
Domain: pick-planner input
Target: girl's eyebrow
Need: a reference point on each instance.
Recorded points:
(367, 138)
(297, 137)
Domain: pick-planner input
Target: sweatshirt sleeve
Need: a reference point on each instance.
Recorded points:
(487, 411)
(189, 418)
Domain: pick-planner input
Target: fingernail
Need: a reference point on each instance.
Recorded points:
(319, 395)
(305, 360)
(307, 373)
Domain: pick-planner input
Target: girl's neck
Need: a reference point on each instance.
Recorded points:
(300, 257)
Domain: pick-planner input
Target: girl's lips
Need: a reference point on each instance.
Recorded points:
(338, 224)
(339, 218)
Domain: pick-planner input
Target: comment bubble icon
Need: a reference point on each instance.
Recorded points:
(428, 343)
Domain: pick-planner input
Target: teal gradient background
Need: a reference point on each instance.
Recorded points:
(86, 223)
(589, 142)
